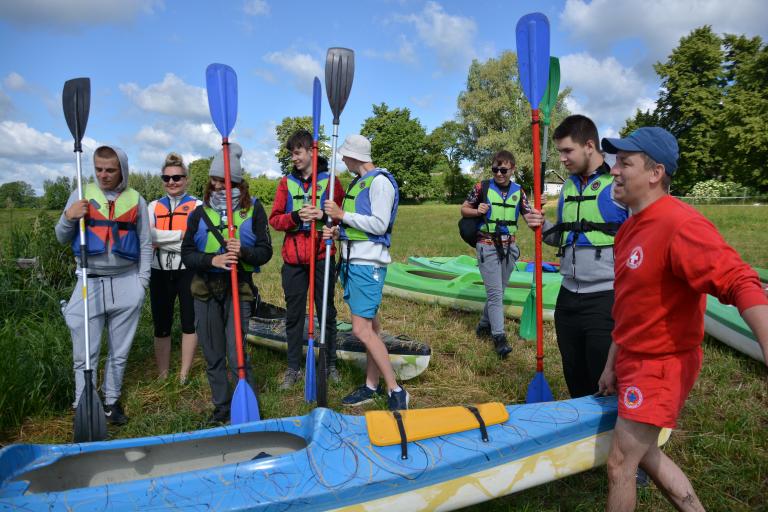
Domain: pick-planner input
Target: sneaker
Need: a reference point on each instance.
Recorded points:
(361, 395)
(219, 417)
(398, 400)
(115, 414)
(290, 378)
(641, 478)
(501, 346)
(333, 375)
(483, 331)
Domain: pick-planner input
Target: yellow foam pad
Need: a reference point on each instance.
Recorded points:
(425, 423)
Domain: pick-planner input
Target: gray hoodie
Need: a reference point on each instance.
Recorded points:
(111, 264)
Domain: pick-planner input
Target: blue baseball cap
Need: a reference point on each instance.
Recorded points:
(654, 141)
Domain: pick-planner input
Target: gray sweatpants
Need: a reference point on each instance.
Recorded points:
(217, 339)
(114, 302)
(495, 274)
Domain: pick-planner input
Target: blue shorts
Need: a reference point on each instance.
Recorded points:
(363, 285)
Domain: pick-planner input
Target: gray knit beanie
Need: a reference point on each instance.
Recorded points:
(235, 170)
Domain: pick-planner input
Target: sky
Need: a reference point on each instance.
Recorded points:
(147, 58)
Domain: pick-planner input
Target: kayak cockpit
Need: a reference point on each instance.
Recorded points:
(103, 467)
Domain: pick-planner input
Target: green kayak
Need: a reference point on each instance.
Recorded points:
(462, 291)
(463, 264)
(723, 321)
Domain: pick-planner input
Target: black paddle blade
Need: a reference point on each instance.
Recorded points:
(339, 72)
(76, 100)
(90, 422)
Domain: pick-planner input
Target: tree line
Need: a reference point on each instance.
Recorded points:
(714, 99)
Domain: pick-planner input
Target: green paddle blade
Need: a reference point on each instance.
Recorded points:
(553, 88)
(528, 317)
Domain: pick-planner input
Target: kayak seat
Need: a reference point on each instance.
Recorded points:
(387, 428)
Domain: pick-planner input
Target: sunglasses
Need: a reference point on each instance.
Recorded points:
(502, 170)
(175, 177)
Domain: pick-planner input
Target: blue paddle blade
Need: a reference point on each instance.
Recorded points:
(221, 83)
(538, 390)
(317, 100)
(244, 407)
(532, 34)
(310, 387)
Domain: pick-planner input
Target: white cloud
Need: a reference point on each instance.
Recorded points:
(405, 52)
(423, 101)
(449, 36)
(73, 13)
(172, 97)
(660, 24)
(19, 141)
(6, 105)
(14, 82)
(265, 75)
(603, 90)
(256, 7)
(301, 66)
(154, 137)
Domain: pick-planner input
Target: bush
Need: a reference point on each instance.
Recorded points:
(717, 188)
(263, 188)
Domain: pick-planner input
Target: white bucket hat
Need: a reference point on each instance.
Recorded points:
(357, 147)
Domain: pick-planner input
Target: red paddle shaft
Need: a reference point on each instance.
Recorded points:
(537, 204)
(233, 268)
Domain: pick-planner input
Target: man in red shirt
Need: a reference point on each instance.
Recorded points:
(667, 258)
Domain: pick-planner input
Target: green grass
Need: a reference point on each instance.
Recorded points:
(721, 442)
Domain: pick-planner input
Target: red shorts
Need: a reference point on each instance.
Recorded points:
(653, 389)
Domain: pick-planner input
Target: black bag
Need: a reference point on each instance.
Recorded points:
(468, 226)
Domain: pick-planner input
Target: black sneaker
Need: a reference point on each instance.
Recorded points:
(641, 478)
(483, 331)
(219, 417)
(501, 346)
(115, 414)
(398, 400)
(361, 395)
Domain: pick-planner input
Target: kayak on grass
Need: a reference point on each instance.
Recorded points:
(324, 460)
(464, 291)
(723, 322)
(463, 263)
(409, 357)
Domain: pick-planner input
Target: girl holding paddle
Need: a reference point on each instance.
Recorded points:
(208, 250)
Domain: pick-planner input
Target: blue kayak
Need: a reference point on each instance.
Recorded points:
(324, 460)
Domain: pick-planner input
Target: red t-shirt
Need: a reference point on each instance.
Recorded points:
(666, 258)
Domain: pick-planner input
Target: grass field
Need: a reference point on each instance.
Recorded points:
(721, 443)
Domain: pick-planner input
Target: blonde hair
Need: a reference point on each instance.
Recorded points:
(174, 160)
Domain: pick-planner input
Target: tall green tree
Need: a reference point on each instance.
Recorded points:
(714, 99)
(56, 192)
(17, 194)
(495, 105)
(148, 185)
(287, 127)
(448, 143)
(198, 176)
(398, 143)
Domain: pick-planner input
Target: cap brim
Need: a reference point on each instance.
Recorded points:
(613, 146)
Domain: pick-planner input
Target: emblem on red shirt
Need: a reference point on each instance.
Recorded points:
(633, 397)
(635, 257)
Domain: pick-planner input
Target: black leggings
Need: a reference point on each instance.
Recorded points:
(583, 323)
(164, 287)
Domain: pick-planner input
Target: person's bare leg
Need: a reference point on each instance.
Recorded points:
(378, 357)
(188, 348)
(670, 480)
(163, 356)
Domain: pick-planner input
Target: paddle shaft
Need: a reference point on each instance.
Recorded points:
(233, 268)
(537, 183)
(313, 247)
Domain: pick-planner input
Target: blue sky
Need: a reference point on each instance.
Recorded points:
(147, 59)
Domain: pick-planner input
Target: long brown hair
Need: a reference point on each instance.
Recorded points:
(245, 197)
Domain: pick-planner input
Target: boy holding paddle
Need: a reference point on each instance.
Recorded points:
(668, 257)
(119, 254)
(366, 218)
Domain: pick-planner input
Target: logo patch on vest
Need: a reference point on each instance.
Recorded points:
(243, 214)
(94, 203)
(514, 197)
(635, 258)
(362, 185)
(633, 397)
(595, 185)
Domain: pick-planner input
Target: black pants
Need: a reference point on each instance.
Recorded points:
(296, 287)
(583, 323)
(164, 287)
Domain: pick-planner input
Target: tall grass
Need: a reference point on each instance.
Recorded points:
(721, 442)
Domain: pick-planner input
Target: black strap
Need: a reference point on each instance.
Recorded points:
(505, 205)
(584, 226)
(480, 421)
(124, 226)
(403, 438)
(579, 199)
(213, 229)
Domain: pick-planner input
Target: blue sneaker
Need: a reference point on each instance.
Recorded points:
(398, 400)
(361, 395)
